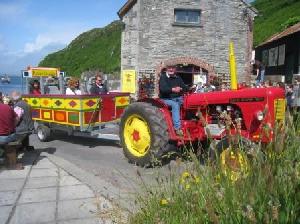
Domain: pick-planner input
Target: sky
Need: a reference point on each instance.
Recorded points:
(31, 29)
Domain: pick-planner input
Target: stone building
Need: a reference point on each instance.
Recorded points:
(194, 35)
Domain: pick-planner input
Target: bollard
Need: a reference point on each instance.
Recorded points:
(11, 156)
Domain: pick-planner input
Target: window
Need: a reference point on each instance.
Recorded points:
(187, 16)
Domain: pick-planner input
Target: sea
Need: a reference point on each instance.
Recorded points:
(15, 84)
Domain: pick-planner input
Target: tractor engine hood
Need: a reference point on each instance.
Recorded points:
(247, 95)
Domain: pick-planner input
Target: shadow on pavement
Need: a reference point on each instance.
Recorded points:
(85, 141)
(30, 157)
(27, 158)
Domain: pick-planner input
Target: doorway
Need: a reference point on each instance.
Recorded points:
(289, 68)
(191, 74)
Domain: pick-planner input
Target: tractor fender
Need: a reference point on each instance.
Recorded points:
(154, 102)
(165, 112)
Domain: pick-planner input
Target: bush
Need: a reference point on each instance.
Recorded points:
(290, 22)
(268, 193)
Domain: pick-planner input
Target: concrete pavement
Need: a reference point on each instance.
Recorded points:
(45, 193)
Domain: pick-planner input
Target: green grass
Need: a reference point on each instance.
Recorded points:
(269, 192)
(97, 49)
(273, 17)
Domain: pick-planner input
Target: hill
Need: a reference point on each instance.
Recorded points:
(274, 16)
(97, 49)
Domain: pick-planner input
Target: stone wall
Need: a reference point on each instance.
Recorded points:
(130, 39)
(150, 35)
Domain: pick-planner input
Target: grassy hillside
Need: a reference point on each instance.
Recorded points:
(97, 49)
(274, 16)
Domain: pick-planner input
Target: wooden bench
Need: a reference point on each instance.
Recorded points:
(10, 152)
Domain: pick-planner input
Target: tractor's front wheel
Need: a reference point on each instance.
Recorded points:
(143, 134)
(233, 156)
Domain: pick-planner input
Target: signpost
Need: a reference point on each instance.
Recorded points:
(32, 72)
(128, 80)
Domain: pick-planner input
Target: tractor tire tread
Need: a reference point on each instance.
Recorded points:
(158, 128)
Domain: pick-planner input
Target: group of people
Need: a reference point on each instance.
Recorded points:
(15, 121)
(98, 86)
(293, 96)
(73, 87)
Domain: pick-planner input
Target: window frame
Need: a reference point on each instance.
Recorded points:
(186, 23)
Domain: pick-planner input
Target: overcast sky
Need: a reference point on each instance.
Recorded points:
(30, 29)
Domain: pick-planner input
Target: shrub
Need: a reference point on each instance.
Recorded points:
(268, 192)
(290, 22)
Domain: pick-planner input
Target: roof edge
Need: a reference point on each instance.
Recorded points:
(250, 7)
(280, 35)
(130, 3)
(126, 7)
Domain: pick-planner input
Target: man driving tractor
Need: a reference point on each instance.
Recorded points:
(171, 88)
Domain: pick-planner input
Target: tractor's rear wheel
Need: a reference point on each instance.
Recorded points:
(233, 157)
(143, 134)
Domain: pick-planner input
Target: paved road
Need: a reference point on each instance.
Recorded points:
(104, 159)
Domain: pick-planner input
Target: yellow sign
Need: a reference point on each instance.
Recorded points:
(128, 81)
(44, 72)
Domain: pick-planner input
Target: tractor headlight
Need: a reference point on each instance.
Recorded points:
(260, 115)
(219, 109)
(229, 108)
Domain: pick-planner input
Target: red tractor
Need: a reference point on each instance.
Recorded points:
(146, 128)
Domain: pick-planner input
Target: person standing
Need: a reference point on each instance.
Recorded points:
(289, 97)
(260, 72)
(296, 91)
(99, 87)
(25, 125)
(171, 88)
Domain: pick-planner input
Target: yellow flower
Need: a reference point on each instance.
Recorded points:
(196, 179)
(164, 201)
(218, 178)
(187, 186)
(232, 155)
(185, 174)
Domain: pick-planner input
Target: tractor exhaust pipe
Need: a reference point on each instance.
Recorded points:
(233, 76)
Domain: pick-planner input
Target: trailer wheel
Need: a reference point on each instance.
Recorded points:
(43, 133)
(143, 134)
(233, 158)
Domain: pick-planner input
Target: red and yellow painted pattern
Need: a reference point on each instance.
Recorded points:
(81, 111)
(122, 101)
